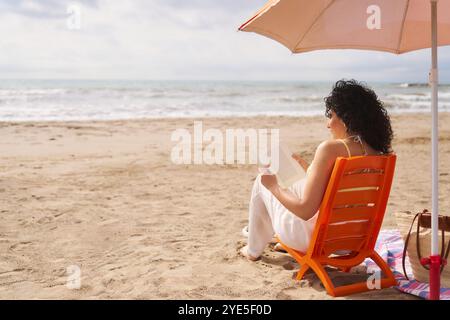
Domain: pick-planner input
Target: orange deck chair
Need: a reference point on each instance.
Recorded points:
(350, 218)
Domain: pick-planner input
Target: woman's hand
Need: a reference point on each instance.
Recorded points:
(269, 181)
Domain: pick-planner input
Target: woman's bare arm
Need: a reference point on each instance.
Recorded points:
(302, 162)
(315, 185)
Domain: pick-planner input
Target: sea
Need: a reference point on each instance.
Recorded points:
(63, 100)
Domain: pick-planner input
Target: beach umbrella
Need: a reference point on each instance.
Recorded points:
(395, 26)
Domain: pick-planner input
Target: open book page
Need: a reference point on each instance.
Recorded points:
(288, 170)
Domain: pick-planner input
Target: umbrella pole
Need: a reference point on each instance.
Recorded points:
(435, 259)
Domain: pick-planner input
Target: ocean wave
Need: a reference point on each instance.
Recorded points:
(312, 98)
(419, 85)
(408, 97)
(127, 100)
(412, 85)
(416, 96)
(31, 92)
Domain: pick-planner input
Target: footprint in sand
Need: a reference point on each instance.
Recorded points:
(19, 244)
(44, 220)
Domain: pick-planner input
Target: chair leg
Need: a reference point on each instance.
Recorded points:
(306, 263)
(323, 276)
(302, 271)
(294, 254)
(385, 268)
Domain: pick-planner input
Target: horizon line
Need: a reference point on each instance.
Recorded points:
(214, 80)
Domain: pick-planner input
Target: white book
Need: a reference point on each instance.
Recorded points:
(289, 170)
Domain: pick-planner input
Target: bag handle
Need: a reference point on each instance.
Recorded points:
(406, 245)
(444, 252)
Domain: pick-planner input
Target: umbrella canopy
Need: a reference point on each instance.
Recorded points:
(395, 26)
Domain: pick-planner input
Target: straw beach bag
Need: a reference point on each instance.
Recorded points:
(418, 243)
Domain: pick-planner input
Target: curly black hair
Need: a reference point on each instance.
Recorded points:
(362, 112)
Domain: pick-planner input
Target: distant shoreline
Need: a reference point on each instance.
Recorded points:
(49, 100)
(209, 118)
(443, 83)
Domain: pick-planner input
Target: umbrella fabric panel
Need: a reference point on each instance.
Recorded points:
(304, 25)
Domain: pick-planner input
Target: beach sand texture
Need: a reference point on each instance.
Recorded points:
(104, 196)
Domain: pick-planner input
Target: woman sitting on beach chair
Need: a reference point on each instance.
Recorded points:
(359, 125)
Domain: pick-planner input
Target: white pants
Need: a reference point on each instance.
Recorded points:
(267, 216)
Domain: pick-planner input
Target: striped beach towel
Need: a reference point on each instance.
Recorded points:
(390, 247)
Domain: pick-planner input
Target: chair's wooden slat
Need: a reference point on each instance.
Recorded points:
(356, 197)
(361, 180)
(373, 162)
(352, 244)
(347, 229)
(352, 213)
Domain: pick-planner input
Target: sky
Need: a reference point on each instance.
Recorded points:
(176, 40)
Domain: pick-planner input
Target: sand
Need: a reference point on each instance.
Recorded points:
(105, 197)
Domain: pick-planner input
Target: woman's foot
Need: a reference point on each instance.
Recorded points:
(244, 252)
(279, 248)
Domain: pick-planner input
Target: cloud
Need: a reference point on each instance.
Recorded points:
(176, 39)
(43, 9)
